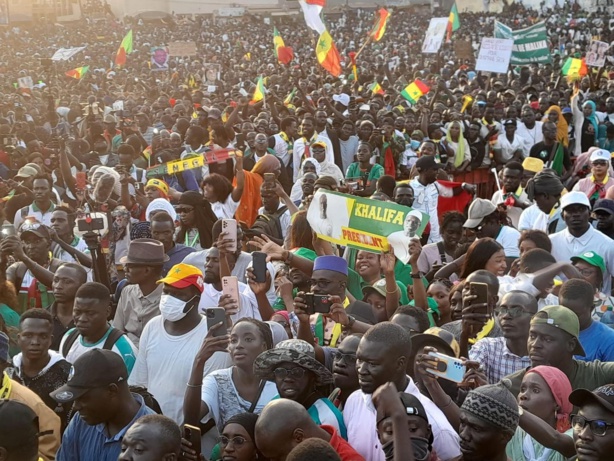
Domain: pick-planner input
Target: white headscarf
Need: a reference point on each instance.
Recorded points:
(160, 204)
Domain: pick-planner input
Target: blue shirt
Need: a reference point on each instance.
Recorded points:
(176, 255)
(82, 442)
(598, 343)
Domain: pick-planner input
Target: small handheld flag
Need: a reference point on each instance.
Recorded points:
(78, 73)
(258, 92)
(415, 91)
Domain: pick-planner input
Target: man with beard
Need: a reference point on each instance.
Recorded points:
(403, 195)
(604, 213)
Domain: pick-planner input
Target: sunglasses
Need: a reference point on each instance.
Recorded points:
(293, 373)
(513, 312)
(184, 210)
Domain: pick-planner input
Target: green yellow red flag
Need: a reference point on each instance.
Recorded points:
(328, 55)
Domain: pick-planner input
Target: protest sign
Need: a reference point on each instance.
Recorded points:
(365, 224)
(159, 58)
(198, 161)
(494, 55)
(182, 49)
(596, 53)
(434, 35)
(64, 54)
(212, 72)
(25, 83)
(463, 49)
(530, 44)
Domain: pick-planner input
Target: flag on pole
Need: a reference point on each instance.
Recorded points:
(453, 21)
(311, 11)
(380, 24)
(556, 163)
(78, 73)
(328, 55)
(574, 68)
(415, 91)
(124, 50)
(258, 92)
(352, 56)
(377, 89)
(290, 97)
(283, 53)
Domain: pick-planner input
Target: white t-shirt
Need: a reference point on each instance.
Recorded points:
(508, 238)
(224, 402)
(533, 218)
(247, 301)
(226, 209)
(164, 364)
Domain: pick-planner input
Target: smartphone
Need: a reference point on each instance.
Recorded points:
(481, 291)
(192, 435)
(449, 368)
(269, 178)
(229, 226)
(230, 286)
(317, 304)
(259, 266)
(214, 316)
(8, 230)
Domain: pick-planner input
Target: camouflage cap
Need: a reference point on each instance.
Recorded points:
(294, 351)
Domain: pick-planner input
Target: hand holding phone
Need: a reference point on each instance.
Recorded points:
(447, 367)
(192, 435)
(259, 266)
(230, 287)
(317, 304)
(229, 228)
(214, 316)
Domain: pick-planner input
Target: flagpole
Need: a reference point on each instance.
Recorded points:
(363, 47)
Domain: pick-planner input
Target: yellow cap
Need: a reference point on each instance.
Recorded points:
(533, 165)
(183, 275)
(159, 184)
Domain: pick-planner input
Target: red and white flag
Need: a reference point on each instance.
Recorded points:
(311, 11)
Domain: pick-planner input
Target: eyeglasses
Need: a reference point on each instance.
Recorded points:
(237, 441)
(322, 284)
(599, 163)
(586, 272)
(513, 312)
(598, 426)
(341, 357)
(183, 210)
(292, 372)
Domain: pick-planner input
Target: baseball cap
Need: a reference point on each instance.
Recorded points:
(110, 119)
(427, 162)
(602, 396)
(26, 171)
(214, 113)
(319, 144)
(36, 228)
(443, 340)
(479, 209)
(591, 258)
(342, 99)
(183, 275)
(413, 406)
(566, 110)
(600, 154)
(95, 368)
(378, 287)
(562, 318)
(18, 424)
(575, 198)
(604, 204)
(510, 121)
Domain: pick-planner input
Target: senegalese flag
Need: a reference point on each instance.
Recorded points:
(283, 53)
(574, 68)
(415, 91)
(352, 56)
(124, 50)
(78, 73)
(453, 21)
(328, 55)
(377, 89)
(258, 92)
(290, 97)
(379, 28)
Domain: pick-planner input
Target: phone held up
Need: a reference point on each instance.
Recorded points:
(317, 304)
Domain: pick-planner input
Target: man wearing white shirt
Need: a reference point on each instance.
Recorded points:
(382, 357)
(302, 146)
(580, 237)
(529, 130)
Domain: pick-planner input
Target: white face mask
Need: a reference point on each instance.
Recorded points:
(172, 309)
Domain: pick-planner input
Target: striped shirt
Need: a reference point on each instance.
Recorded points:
(84, 442)
(496, 358)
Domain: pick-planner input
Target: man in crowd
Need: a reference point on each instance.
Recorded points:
(66, 245)
(151, 438)
(42, 207)
(19, 432)
(163, 230)
(592, 435)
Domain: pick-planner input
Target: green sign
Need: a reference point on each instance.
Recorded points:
(530, 44)
(365, 224)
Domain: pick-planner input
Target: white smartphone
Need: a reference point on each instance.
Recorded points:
(449, 368)
(229, 226)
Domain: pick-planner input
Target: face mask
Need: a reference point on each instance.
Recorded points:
(172, 309)
(414, 144)
(420, 446)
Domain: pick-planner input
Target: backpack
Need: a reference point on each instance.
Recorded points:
(114, 335)
(269, 224)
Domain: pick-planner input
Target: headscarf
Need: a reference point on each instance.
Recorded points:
(544, 182)
(562, 129)
(592, 118)
(560, 387)
(248, 422)
(267, 164)
(459, 155)
(314, 162)
(160, 204)
(279, 332)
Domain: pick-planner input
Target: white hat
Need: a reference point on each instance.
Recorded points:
(601, 154)
(342, 98)
(575, 198)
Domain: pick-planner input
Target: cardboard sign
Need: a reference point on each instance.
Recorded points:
(434, 35)
(182, 49)
(64, 54)
(463, 49)
(159, 58)
(365, 224)
(494, 55)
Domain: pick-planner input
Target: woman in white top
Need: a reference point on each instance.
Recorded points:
(310, 165)
(218, 191)
(327, 168)
(459, 154)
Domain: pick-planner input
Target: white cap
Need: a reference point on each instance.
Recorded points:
(601, 154)
(342, 98)
(575, 198)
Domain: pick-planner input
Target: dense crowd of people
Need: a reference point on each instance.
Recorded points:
(150, 311)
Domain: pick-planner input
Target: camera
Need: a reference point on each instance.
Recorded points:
(90, 224)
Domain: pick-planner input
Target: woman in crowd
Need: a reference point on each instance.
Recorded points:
(435, 255)
(237, 441)
(327, 168)
(196, 219)
(363, 173)
(310, 165)
(459, 154)
(220, 193)
(484, 253)
(555, 116)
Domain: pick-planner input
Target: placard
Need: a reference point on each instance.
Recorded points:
(159, 58)
(494, 55)
(434, 35)
(530, 44)
(182, 49)
(596, 53)
(463, 49)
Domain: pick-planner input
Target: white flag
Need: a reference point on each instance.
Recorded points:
(312, 10)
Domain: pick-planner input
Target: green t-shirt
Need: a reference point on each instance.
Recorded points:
(354, 173)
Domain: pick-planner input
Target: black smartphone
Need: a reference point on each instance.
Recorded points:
(259, 266)
(192, 435)
(317, 304)
(214, 316)
(480, 290)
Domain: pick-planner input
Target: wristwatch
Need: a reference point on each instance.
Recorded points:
(351, 322)
(289, 257)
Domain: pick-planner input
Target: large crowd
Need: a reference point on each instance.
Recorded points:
(170, 288)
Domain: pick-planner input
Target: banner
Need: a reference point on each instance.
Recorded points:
(434, 35)
(530, 44)
(596, 53)
(463, 49)
(365, 224)
(182, 49)
(177, 166)
(494, 55)
(159, 58)
(64, 54)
